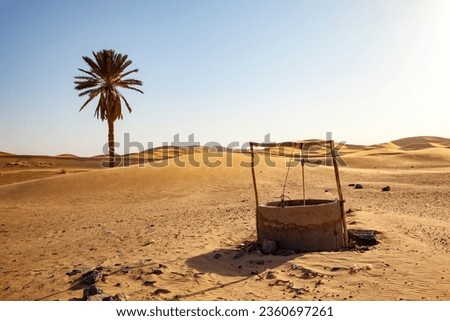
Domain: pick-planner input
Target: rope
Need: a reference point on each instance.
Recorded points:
(285, 181)
(303, 176)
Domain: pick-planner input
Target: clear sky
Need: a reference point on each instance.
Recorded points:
(368, 71)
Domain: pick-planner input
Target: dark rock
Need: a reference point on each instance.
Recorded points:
(362, 248)
(162, 266)
(280, 282)
(285, 252)
(270, 275)
(156, 272)
(91, 277)
(258, 262)
(309, 274)
(117, 297)
(337, 268)
(358, 186)
(122, 297)
(386, 189)
(161, 291)
(91, 290)
(239, 254)
(97, 297)
(217, 256)
(254, 272)
(268, 247)
(249, 247)
(351, 185)
(149, 283)
(362, 237)
(74, 272)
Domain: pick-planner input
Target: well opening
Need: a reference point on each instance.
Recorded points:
(302, 225)
(299, 202)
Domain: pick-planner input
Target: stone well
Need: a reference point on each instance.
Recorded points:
(315, 225)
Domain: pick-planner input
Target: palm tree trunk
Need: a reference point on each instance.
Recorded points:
(111, 142)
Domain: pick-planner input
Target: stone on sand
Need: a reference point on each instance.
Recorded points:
(362, 237)
(268, 246)
(91, 277)
(91, 290)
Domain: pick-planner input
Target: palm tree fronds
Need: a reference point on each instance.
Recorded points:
(89, 73)
(81, 85)
(128, 72)
(130, 82)
(132, 88)
(126, 102)
(95, 69)
(88, 101)
(84, 77)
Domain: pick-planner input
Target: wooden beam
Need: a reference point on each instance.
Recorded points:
(339, 189)
(255, 188)
(291, 144)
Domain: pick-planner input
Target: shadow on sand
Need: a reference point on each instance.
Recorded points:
(236, 263)
(239, 262)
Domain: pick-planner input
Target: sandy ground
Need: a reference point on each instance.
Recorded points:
(156, 231)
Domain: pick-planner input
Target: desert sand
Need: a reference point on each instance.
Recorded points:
(172, 233)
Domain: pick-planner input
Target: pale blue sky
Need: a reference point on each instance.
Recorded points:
(368, 71)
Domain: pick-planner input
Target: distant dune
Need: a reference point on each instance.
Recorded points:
(422, 151)
(163, 152)
(5, 154)
(421, 142)
(66, 155)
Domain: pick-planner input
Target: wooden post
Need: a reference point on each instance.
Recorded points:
(253, 174)
(339, 189)
(302, 160)
(255, 188)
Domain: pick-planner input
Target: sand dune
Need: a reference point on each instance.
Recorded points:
(414, 143)
(170, 230)
(67, 155)
(423, 151)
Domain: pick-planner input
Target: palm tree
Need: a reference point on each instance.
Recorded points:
(105, 77)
